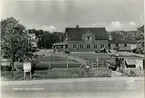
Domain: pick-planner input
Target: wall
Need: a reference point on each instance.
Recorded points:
(95, 42)
(129, 46)
(133, 46)
(112, 46)
(137, 70)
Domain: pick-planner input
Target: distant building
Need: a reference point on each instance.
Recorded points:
(135, 65)
(33, 39)
(123, 45)
(84, 39)
(93, 39)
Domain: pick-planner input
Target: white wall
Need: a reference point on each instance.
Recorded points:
(129, 46)
(139, 62)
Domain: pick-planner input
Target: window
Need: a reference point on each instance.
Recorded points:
(109, 45)
(81, 46)
(125, 45)
(131, 66)
(102, 46)
(117, 45)
(88, 38)
(88, 45)
(95, 46)
(74, 46)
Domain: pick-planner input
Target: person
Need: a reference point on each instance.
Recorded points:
(87, 70)
(54, 50)
(139, 69)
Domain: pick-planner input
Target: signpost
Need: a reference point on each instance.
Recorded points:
(27, 68)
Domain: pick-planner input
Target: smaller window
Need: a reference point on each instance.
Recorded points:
(116, 45)
(109, 45)
(95, 46)
(88, 45)
(102, 46)
(125, 45)
(81, 46)
(87, 38)
(74, 46)
(90, 38)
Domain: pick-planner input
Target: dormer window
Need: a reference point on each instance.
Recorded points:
(88, 38)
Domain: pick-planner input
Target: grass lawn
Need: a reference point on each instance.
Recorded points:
(56, 62)
(92, 56)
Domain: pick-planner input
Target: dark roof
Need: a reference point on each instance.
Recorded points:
(75, 34)
(61, 43)
(123, 42)
(130, 61)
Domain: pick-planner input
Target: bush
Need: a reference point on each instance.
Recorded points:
(132, 73)
(67, 52)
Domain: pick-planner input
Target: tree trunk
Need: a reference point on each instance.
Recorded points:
(12, 69)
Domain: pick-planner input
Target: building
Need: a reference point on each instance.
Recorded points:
(123, 45)
(33, 39)
(136, 65)
(84, 39)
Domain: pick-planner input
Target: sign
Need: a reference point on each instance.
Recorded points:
(27, 66)
(87, 67)
(97, 60)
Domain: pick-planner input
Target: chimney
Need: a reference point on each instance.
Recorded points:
(77, 26)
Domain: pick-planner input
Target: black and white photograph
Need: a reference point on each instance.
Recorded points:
(72, 49)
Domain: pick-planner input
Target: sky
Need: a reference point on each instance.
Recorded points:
(56, 15)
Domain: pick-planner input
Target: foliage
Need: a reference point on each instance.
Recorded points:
(130, 35)
(15, 41)
(140, 38)
(123, 35)
(47, 39)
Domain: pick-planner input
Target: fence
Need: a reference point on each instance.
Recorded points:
(98, 72)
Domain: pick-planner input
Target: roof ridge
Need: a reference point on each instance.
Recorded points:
(86, 27)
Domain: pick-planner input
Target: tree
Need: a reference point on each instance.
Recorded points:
(122, 35)
(117, 35)
(140, 38)
(47, 39)
(15, 42)
(141, 35)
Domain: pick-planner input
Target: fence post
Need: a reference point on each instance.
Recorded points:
(97, 61)
(49, 65)
(24, 75)
(67, 66)
(30, 75)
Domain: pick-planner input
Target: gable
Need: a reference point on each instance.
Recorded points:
(88, 34)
